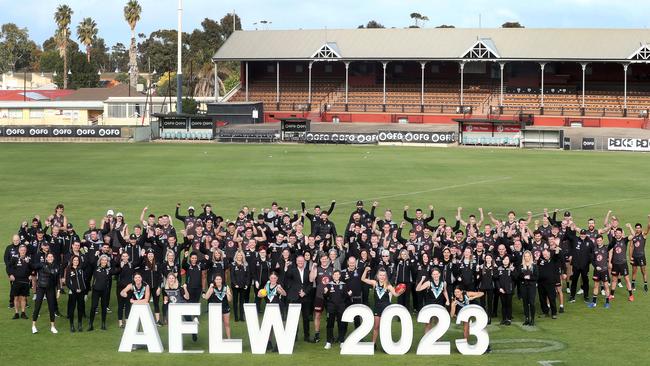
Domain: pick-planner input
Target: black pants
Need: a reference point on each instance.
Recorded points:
(11, 294)
(258, 301)
(50, 293)
(546, 292)
(528, 293)
(156, 301)
(506, 306)
(76, 300)
(584, 274)
(365, 293)
(487, 302)
(123, 307)
(331, 318)
(238, 299)
(495, 303)
(305, 312)
(97, 296)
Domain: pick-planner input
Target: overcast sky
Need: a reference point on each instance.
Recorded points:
(37, 15)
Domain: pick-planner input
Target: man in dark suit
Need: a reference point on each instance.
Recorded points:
(298, 291)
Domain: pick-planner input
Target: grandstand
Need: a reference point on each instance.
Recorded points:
(434, 75)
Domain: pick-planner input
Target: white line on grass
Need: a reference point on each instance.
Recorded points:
(596, 204)
(429, 190)
(545, 345)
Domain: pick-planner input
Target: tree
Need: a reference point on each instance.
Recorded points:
(62, 17)
(373, 24)
(16, 49)
(87, 34)
(132, 12)
(417, 17)
(119, 57)
(445, 26)
(226, 25)
(99, 55)
(512, 25)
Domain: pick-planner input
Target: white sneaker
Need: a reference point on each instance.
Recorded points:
(602, 292)
(328, 345)
(620, 285)
(53, 330)
(580, 292)
(568, 290)
(34, 297)
(34, 330)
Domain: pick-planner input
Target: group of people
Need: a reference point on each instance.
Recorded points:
(284, 257)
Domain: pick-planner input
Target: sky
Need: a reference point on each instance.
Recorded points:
(37, 15)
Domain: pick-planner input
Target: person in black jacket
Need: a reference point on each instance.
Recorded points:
(488, 272)
(506, 276)
(125, 270)
(580, 256)
(299, 288)
(549, 275)
(240, 280)
(19, 270)
(405, 271)
(314, 219)
(528, 277)
(102, 276)
(10, 252)
(46, 284)
(75, 280)
(337, 296)
(150, 271)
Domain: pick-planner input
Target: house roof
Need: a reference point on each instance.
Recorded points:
(33, 95)
(436, 43)
(101, 94)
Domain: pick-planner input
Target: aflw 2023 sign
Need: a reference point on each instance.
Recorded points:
(285, 332)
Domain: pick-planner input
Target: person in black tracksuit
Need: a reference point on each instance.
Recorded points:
(314, 219)
(240, 282)
(126, 270)
(528, 274)
(549, 275)
(19, 270)
(580, 254)
(102, 276)
(506, 278)
(337, 297)
(11, 252)
(260, 271)
(193, 268)
(152, 275)
(46, 284)
(405, 272)
(75, 280)
(487, 274)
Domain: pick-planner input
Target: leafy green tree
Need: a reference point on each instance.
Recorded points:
(132, 12)
(87, 34)
(62, 17)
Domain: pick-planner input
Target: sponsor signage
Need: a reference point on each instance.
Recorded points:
(416, 137)
(340, 138)
(61, 131)
(628, 144)
(588, 143)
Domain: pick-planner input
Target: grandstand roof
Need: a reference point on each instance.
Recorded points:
(535, 44)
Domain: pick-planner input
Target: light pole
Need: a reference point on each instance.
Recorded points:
(179, 71)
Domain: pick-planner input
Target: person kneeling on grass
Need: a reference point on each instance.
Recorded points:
(461, 299)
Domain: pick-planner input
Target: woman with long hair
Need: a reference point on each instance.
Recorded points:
(239, 282)
(435, 292)
(460, 300)
(46, 286)
(173, 293)
(150, 270)
(528, 276)
(102, 277)
(76, 282)
(487, 273)
(273, 293)
(383, 293)
(220, 293)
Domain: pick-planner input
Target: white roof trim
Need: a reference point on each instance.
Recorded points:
(327, 51)
(481, 49)
(641, 53)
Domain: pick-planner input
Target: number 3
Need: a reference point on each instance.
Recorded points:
(476, 328)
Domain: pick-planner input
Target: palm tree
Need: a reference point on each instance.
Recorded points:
(132, 12)
(86, 33)
(62, 18)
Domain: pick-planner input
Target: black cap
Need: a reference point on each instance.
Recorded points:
(69, 226)
(480, 235)
(583, 232)
(39, 231)
(567, 213)
(133, 236)
(359, 203)
(149, 251)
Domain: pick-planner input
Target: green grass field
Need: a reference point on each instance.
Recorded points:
(91, 178)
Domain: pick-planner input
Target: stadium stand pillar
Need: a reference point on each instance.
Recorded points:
(383, 106)
(347, 74)
(541, 89)
(247, 81)
(277, 84)
(502, 65)
(582, 104)
(462, 74)
(311, 63)
(625, 90)
(422, 66)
